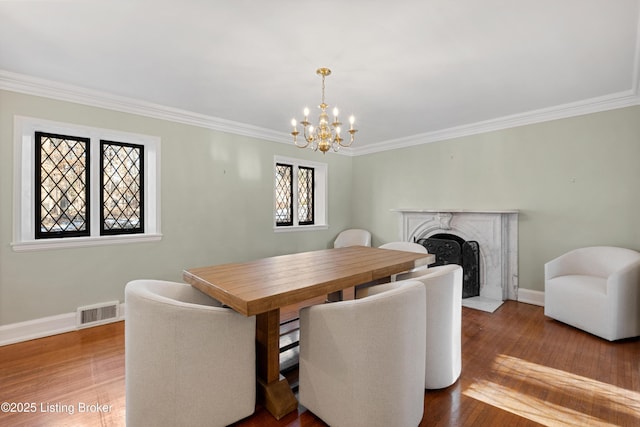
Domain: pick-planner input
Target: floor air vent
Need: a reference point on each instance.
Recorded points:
(97, 314)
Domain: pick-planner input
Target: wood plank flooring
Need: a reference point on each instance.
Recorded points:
(519, 369)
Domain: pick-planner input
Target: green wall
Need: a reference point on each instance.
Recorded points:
(217, 197)
(575, 182)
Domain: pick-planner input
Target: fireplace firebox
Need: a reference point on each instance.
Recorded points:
(496, 232)
(452, 249)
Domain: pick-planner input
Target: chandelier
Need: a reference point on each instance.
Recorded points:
(325, 135)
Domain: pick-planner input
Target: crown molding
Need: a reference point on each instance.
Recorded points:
(64, 92)
(613, 101)
(593, 105)
(29, 85)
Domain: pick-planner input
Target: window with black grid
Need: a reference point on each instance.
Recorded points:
(305, 195)
(121, 188)
(83, 186)
(61, 186)
(295, 194)
(284, 194)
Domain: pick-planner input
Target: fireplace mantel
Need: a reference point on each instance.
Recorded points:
(496, 231)
(499, 211)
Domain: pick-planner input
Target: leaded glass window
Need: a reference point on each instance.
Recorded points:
(121, 188)
(300, 194)
(284, 194)
(305, 195)
(77, 188)
(294, 194)
(62, 186)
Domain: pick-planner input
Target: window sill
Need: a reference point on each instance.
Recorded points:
(300, 228)
(82, 242)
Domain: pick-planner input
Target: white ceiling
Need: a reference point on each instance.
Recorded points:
(408, 70)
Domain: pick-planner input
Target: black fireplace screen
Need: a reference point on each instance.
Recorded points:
(451, 249)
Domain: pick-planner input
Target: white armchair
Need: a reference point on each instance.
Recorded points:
(361, 361)
(596, 289)
(443, 357)
(188, 361)
(352, 237)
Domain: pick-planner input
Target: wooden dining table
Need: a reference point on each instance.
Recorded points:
(261, 287)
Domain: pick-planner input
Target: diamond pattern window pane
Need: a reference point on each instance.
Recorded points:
(305, 195)
(284, 194)
(122, 188)
(62, 186)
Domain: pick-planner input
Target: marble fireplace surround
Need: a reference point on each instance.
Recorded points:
(496, 231)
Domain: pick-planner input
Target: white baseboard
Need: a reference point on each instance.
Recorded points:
(61, 323)
(528, 296)
(43, 327)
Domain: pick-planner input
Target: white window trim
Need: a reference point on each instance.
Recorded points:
(24, 185)
(320, 212)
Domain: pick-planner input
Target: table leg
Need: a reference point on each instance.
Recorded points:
(273, 389)
(342, 295)
(349, 293)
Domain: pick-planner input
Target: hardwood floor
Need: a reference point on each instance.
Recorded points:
(519, 369)
(53, 381)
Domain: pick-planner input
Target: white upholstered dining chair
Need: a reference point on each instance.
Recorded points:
(596, 289)
(188, 361)
(443, 357)
(352, 237)
(361, 361)
(408, 247)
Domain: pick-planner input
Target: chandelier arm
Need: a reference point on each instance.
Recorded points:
(295, 141)
(346, 145)
(308, 137)
(312, 138)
